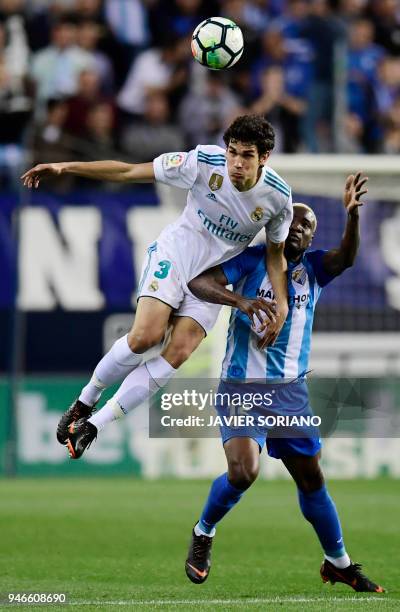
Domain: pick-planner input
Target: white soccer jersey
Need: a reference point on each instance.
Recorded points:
(219, 221)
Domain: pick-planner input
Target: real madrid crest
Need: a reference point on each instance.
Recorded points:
(257, 214)
(215, 181)
(153, 285)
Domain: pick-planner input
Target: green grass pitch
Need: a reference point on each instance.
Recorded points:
(120, 544)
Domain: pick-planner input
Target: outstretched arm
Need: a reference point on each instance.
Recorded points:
(210, 286)
(117, 171)
(337, 260)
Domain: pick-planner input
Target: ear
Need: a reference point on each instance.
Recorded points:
(264, 158)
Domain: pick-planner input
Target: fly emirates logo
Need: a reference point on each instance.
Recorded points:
(225, 227)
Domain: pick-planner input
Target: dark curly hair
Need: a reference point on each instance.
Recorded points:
(252, 129)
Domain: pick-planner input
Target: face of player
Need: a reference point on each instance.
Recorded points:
(301, 232)
(244, 164)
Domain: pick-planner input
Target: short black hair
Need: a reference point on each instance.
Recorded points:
(252, 129)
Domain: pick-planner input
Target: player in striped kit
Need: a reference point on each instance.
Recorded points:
(248, 362)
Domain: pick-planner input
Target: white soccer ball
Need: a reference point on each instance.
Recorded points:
(217, 43)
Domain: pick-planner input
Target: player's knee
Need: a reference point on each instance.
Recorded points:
(180, 349)
(311, 482)
(143, 339)
(242, 472)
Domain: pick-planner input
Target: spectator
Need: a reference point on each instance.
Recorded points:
(292, 21)
(386, 92)
(178, 17)
(100, 132)
(14, 43)
(282, 109)
(391, 140)
(363, 59)
(89, 10)
(128, 22)
(211, 110)
(294, 59)
(155, 133)
(386, 16)
(89, 36)
(79, 106)
(257, 15)
(99, 142)
(157, 68)
(15, 101)
(49, 141)
(55, 69)
(236, 10)
(324, 32)
(350, 10)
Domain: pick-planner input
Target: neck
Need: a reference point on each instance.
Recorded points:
(293, 256)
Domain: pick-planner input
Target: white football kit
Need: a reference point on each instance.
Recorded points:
(217, 224)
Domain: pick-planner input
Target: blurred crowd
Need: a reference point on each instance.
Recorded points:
(96, 79)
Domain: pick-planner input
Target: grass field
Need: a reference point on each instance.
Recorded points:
(120, 544)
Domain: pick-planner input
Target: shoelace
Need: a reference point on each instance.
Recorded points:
(199, 550)
(358, 573)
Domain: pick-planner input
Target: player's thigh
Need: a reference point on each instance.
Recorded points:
(150, 325)
(185, 336)
(204, 313)
(243, 457)
(305, 471)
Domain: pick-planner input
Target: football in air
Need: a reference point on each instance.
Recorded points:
(217, 43)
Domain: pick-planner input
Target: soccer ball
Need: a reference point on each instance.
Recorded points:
(217, 43)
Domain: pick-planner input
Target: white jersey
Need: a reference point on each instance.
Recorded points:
(219, 221)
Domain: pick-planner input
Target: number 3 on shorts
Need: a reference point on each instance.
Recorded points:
(165, 267)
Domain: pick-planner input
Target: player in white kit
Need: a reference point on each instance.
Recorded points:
(232, 196)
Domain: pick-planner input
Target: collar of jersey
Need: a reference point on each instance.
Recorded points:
(293, 264)
(252, 189)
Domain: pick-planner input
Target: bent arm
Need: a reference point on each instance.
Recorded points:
(210, 286)
(337, 260)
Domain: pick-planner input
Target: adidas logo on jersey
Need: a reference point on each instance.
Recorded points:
(212, 196)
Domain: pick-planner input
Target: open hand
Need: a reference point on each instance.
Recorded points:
(32, 177)
(354, 191)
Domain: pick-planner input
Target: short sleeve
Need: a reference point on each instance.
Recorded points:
(177, 169)
(244, 263)
(278, 227)
(315, 258)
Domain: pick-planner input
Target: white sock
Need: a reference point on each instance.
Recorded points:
(114, 366)
(340, 562)
(200, 532)
(138, 386)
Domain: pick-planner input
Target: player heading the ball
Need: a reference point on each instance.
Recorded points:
(232, 195)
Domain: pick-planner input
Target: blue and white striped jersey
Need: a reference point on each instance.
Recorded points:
(289, 356)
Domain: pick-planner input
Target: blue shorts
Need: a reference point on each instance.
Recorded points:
(274, 414)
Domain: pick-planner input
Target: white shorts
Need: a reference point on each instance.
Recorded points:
(160, 279)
